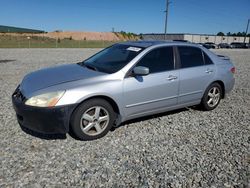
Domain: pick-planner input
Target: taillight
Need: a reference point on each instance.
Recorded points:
(232, 70)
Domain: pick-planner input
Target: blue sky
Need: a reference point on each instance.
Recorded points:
(139, 16)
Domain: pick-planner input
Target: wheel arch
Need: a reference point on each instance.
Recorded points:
(221, 83)
(110, 100)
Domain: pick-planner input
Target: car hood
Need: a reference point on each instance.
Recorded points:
(56, 75)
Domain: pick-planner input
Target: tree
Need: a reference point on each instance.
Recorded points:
(140, 36)
(229, 34)
(220, 34)
(239, 34)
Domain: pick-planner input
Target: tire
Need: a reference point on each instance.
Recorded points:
(211, 97)
(92, 119)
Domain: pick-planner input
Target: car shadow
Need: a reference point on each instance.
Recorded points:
(145, 118)
(42, 135)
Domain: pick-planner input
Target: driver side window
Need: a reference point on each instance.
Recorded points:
(158, 60)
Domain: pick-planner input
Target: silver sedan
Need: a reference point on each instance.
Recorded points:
(122, 82)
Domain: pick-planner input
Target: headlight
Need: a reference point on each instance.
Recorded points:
(45, 100)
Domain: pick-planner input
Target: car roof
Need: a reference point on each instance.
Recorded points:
(148, 43)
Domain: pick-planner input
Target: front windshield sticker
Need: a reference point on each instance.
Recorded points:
(135, 49)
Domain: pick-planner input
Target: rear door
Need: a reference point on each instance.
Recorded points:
(196, 73)
(158, 89)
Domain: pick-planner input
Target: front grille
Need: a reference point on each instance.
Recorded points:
(18, 95)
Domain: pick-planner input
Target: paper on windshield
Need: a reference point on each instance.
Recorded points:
(135, 49)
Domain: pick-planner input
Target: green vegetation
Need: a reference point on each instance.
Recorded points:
(9, 41)
(239, 34)
(126, 35)
(220, 34)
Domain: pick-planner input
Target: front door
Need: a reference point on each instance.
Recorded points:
(158, 90)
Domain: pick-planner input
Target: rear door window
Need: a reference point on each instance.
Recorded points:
(190, 56)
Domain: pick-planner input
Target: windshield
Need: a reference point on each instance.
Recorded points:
(112, 59)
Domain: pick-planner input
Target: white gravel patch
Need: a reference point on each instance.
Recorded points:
(184, 148)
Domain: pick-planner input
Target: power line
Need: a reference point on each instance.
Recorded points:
(204, 12)
(219, 11)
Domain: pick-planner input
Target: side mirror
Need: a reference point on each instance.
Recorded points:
(141, 71)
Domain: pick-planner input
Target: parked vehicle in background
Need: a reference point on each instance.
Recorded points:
(238, 45)
(199, 44)
(248, 45)
(210, 45)
(180, 40)
(224, 45)
(122, 82)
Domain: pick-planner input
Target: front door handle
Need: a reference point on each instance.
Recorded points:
(171, 77)
(208, 71)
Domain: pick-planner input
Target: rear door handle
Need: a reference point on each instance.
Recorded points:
(208, 71)
(171, 77)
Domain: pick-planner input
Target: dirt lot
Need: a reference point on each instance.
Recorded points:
(78, 35)
(184, 148)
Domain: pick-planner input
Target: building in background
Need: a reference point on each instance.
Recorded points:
(195, 38)
(9, 29)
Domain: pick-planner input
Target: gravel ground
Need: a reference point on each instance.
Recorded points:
(184, 148)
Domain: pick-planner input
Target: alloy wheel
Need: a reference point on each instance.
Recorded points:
(213, 97)
(94, 120)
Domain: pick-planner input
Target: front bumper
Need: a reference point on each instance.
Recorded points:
(52, 120)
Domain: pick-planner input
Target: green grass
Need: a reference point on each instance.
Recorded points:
(7, 41)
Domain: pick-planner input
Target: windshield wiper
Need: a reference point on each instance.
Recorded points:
(91, 67)
(88, 66)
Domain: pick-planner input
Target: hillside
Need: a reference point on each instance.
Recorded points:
(77, 35)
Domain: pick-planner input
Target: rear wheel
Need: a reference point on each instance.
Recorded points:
(212, 97)
(92, 119)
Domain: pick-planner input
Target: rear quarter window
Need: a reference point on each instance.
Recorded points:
(190, 56)
(207, 59)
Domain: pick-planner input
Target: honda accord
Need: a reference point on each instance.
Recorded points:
(122, 82)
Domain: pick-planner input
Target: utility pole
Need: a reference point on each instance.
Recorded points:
(166, 19)
(246, 30)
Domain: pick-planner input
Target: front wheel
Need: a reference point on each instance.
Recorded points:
(212, 97)
(92, 119)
